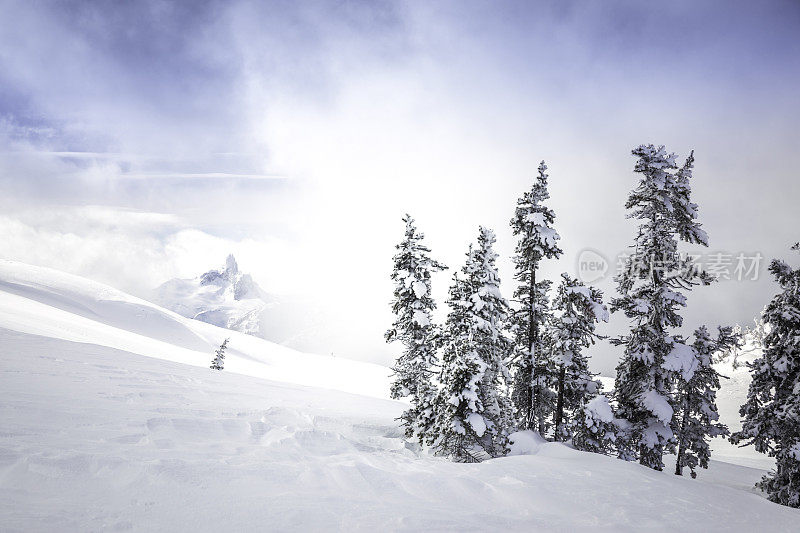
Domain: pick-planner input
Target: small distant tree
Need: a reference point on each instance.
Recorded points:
(772, 410)
(219, 358)
(733, 352)
(413, 306)
(697, 417)
(578, 309)
(751, 342)
(758, 332)
(532, 224)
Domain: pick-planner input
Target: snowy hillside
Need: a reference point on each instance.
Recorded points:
(111, 422)
(49, 303)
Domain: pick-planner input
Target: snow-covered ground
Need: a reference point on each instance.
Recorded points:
(110, 421)
(42, 301)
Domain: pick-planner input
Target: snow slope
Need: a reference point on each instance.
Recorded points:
(97, 436)
(89, 443)
(50, 303)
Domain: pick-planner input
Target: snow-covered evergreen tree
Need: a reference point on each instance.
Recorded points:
(218, 363)
(462, 370)
(578, 310)
(758, 332)
(650, 296)
(544, 365)
(537, 240)
(595, 428)
(772, 411)
(414, 328)
(732, 352)
(751, 345)
(473, 412)
(697, 418)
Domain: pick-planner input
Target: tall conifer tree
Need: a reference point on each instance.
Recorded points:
(537, 240)
(697, 417)
(473, 412)
(650, 296)
(413, 327)
(579, 309)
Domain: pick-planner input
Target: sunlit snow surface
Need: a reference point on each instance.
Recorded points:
(104, 427)
(46, 302)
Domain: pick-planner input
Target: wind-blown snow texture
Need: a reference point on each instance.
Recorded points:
(105, 427)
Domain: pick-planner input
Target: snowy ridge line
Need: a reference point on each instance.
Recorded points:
(49, 303)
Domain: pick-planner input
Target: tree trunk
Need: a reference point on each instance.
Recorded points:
(681, 442)
(532, 334)
(559, 416)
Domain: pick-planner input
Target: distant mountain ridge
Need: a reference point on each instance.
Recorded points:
(231, 299)
(226, 298)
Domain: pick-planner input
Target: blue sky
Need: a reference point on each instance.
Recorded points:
(297, 134)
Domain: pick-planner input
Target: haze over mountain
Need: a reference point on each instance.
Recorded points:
(231, 299)
(226, 298)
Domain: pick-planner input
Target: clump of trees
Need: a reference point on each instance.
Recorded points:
(495, 367)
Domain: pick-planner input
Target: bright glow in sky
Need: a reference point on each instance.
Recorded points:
(146, 140)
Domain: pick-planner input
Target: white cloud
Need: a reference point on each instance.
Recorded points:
(134, 250)
(371, 110)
